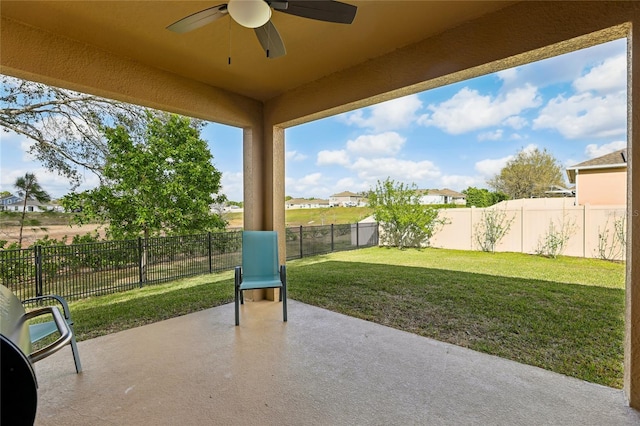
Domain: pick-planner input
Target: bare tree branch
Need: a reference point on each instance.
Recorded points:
(66, 126)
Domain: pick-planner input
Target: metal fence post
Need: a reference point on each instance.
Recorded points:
(140, 266)
(300, 241)
(38, 260)
(357, 234)
(332, 245)
(210, 252)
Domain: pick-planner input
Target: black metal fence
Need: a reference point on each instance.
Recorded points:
(82, 270)
(314, 240)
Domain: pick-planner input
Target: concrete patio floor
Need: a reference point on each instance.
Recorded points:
(320, 368)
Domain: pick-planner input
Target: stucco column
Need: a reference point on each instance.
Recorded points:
(273, 182)
(263, 168)
(252, 164)
(632, 335)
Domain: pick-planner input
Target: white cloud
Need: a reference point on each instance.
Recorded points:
(491, 136)
(508, 75)
(515, 122)
(339, 157)
(607, 77)
(530, 148)
(388, 143)
(25, 146)
(232, 185)
(491, 167)
(402, 170)
(311, 179)
(585, 115)
(54, 184)
(295, 156)
(311, 185)
(459, 182)
(349, 184)
(390, 115)
(468, 110)
(593, 150)
(563, 68)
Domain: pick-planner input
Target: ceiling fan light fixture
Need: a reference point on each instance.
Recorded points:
(249, 13)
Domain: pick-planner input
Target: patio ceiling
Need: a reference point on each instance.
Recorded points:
(137, 30)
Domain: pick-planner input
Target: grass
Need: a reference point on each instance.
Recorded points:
(564, 315)
(97, 316)
(310, 217)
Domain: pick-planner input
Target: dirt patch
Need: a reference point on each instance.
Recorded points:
(31, 234)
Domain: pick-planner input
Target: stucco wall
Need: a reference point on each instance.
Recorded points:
(598, 187)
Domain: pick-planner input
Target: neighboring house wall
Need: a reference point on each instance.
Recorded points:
(6, 201)
(601, 186)
(32, 206)
(444, 196)
(347, 199)
(299, 203)
(601, 180)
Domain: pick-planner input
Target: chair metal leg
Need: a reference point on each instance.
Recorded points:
(237, 306)
(283, 292)
(76, 355)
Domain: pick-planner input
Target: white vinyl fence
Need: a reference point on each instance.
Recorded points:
(592, 229)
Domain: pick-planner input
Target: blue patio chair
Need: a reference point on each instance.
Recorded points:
(260, 268)
(41, 330)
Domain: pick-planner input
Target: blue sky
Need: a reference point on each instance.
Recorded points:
(451, 137)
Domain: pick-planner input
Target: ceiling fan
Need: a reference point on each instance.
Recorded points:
(256, 14)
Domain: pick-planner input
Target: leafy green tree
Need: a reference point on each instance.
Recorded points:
(28, 188)
(161, 181)
(481, 197)
(4, 194)
(529, 174)
(404, 221)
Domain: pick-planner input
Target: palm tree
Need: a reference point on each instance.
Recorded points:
(29, 188)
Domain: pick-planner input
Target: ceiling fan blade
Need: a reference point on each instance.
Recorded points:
(321, 10)
(270, 40)
(198, 19)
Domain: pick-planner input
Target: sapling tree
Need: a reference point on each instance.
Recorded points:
(403, 220)
(491, 229)
(555, 239)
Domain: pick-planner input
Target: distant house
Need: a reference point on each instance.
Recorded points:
(441, 196)
(601, 180)
(9, 199)
(32, 206)
(301, 203)
(347, 199)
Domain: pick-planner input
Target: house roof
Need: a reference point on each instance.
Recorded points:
(30, 202)
(444, 192)
(614, 159)
(345, 194)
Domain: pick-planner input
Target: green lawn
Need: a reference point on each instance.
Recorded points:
(564, 315)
